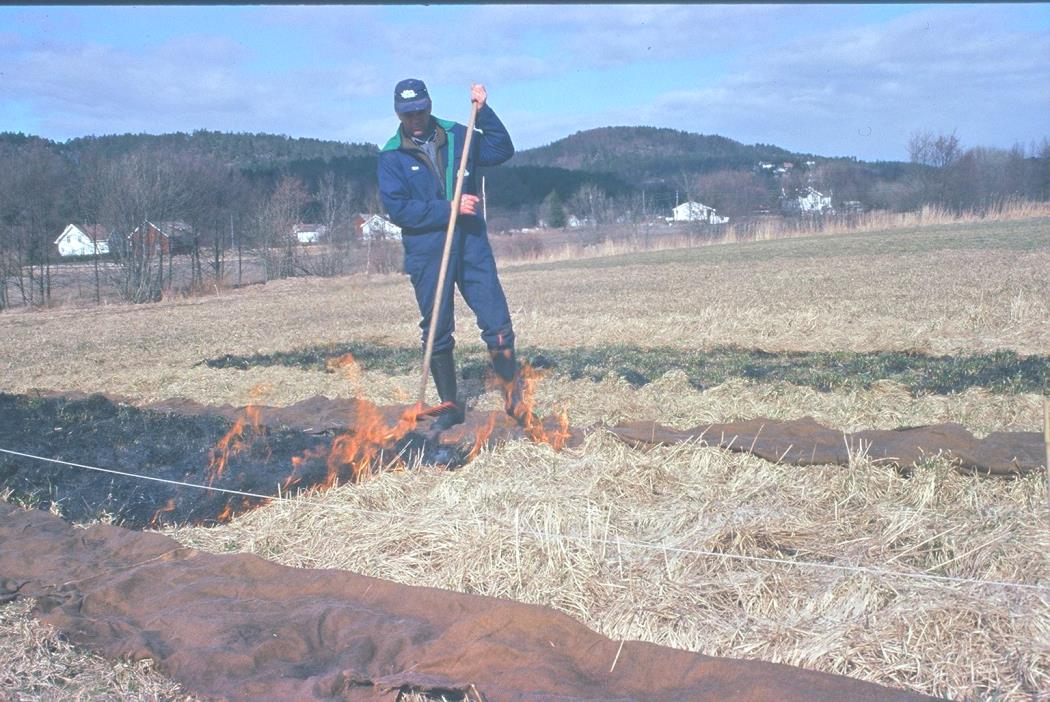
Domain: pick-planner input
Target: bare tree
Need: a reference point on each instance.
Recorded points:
(135, 192)
(8, 257)
(276, 243)
(938, 151)
(733, 193)
(591, 202)
(936, 154)
(34, 182)
(215, 197)
(336, 200)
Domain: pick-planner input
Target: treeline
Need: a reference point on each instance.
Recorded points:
(242, 194)
(241, 150)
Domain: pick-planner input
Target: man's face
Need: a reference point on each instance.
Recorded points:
(415, 122)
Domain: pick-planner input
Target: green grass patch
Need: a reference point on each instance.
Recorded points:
(1000, 371)
(1020, 236)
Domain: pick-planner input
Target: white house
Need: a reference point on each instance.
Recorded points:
(309, 233)
(574, 222)
(696, 212)
(376, 227)
(806, 201)
(83, 241)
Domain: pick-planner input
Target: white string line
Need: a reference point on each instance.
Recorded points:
(871, 570)
(783, 561)
(192, 485)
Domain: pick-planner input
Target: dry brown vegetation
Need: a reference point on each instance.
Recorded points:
(611, 240)
(563, 529)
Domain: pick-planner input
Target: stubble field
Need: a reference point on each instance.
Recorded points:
(872, 330)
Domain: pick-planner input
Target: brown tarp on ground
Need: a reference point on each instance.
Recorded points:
(241, 628)
(805, 442)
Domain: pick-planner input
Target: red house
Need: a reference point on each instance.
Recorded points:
(149, 238)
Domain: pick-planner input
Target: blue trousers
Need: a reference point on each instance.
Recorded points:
(472, 269)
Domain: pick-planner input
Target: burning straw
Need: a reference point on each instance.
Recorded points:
(374, 439)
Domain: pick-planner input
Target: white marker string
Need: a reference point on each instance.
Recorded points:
(192, 485)
(869, 570)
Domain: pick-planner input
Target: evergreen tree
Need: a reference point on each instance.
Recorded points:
(557, 210)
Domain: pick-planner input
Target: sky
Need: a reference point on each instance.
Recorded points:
(833, 80)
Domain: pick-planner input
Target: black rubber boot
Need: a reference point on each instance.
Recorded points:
(443, 370)
(505, 366)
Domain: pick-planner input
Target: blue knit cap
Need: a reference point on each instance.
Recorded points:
(411, 95)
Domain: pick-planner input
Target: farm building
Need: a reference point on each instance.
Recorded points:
(161, 237)
(309, 233)
(696, 212)
(86, 240)
(806, 201)
(852, 206)
(373, 227)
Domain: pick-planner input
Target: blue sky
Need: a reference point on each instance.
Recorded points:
(836, 80)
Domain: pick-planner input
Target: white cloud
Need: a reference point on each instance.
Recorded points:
(863, 91)
(183, 84)
(613, 35)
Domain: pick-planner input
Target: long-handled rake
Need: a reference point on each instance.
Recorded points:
(457, 195)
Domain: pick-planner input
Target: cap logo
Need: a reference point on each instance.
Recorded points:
(408, 94)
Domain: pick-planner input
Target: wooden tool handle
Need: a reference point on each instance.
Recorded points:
(447, 252)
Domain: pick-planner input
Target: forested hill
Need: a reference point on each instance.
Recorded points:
(630, 152)
(656, 167)
(242, 151)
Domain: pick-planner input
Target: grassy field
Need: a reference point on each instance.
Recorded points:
(867, 330)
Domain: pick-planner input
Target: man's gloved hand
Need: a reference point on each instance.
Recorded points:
(468, 204)
(478, 94)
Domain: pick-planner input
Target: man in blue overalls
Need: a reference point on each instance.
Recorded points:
(417, 175)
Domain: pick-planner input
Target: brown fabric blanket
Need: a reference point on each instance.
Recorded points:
(238, 627)
(805, 442)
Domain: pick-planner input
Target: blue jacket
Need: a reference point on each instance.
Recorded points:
(413, 198)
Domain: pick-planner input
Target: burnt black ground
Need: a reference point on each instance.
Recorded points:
(99, 432)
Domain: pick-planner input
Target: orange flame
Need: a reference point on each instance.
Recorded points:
(234, 441)
(482, 437)
(372, 440)
(297, 464)
(227, 513)
(170, 506)
(230, 443)
(349, 366)
(366, 444)
(528, 379)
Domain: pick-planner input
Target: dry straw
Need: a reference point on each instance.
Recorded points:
(875, 571)
(963, 289)
(1046, 443)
